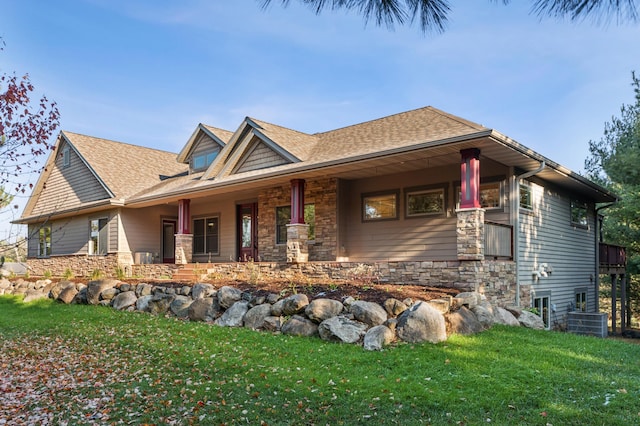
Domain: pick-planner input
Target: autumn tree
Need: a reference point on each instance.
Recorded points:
(433, 14)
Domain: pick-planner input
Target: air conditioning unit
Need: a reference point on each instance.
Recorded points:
(143, 258)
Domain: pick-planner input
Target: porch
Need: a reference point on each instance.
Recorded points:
(612, 261)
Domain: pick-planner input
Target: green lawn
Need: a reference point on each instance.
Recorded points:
(87, 364)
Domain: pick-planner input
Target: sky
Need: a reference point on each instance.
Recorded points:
(146, 72)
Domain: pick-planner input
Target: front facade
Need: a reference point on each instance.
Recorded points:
(418, 197)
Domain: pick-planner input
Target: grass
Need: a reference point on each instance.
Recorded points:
(138, 368)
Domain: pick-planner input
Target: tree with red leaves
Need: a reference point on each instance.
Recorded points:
(25, 130)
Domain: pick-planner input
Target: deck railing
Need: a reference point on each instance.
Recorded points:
(498, 240)
(611, 255)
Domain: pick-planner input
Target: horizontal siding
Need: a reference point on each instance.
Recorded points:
(68, 187)
(225, 209)
(143, 228)
(547, 236)
(260, 157)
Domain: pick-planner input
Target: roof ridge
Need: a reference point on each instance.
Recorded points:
(282, 127)
(66, 132)
(456, 118)
(217, 128)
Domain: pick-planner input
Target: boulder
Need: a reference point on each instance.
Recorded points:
(110, 293)
(299, 326)
(368, 312)
(227, 296)
(341, 329)
(394, 307)
(143, 289)
(505, 317)
(441, 305)
(294, 304)
(484, 313)
(202, 290)
(531, 320)
(81, 297)
(67, 294)
(180, 306)
(321, 309)
(272, 323)
(462, 321)
(94, 288)
(159, 303)
(142, 304)
(254, 318)
(378, 337)
(185, 290)
(233, 316)
(469, 298)
(277, 307)
(31, 295)
(198, 309)
(124, 300)
(421, 323)
(214, 311)
(57, 288)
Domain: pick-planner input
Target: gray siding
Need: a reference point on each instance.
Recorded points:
(547, 236)
(204, 144)
(259, 157)
(68, 187)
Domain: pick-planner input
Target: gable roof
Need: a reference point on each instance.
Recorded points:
(220, 136)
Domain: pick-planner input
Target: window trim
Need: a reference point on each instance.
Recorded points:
(425, 189)
(582, 291)
(95, 251)
(526, 185)
(204, 155)
(204, 236)
(543, 295)
(582, 206)
(47, 248)
(363, 198)
(491, 180)
(66, 157)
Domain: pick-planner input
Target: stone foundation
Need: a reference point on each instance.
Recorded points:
(470, 234)
(78, 265)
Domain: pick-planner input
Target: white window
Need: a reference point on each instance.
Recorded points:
(425, 202)
(44, 241)
(579, 214)
(526, 198)
(206, 235)
(98, 236)
(542, 306)
(581, 300)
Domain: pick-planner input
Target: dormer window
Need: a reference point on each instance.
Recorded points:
(66, 157)
(202, 161)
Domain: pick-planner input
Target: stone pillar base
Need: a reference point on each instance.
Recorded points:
(470, 234)
(184, 248)
(297, 236)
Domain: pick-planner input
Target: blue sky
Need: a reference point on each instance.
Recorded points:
(147, 72)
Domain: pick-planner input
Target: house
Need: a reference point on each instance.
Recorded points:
(421, 197)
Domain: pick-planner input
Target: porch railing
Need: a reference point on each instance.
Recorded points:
(498, 240)
(611, 255)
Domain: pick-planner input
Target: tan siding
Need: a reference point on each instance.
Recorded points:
(69, 187)
(143, 228)
(225, 209)
(260, 157)
(547, 236)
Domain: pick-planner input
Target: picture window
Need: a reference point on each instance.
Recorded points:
(425, 202)
(206, 235)
(380, 206)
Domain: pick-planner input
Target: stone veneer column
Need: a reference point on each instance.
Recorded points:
(184, 248)
(470, 234)
(297, 249)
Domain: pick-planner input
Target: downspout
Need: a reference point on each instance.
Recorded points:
(597, 256)
(516, 222)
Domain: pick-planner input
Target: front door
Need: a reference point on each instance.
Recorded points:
(168, 241)
(248, 232)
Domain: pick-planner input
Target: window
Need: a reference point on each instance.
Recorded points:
(98, 236)
(542, 305)
(581, 300)
(579, 213)
(283, 217)
(202, 161)
(206, 235)
(44, 241)
(425, 202)
(66, 157)
(490, 195)
(526, 200)
(380, 206)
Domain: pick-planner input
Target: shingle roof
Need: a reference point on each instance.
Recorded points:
(297, 143)
(223, 134)
(125, 169)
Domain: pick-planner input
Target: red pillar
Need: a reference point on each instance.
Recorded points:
(470, 178)
(297, 201)
(184, 216)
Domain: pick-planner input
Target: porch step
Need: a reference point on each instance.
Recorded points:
(189, 272)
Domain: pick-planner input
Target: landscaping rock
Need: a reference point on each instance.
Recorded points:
(441, 305)
(341, 329)
(462, 321)
(277, 308)
(109, 293)
(198, 309)
(378, 337)
(368, 312)
(272, 323)
(124, 300)
(142, 304)
(81, 297)
(67, 295)
(57, 288)
(144, 289)
(185, 290)
(394, 307)
(202, 290)
(124, 287)
(505, 317)
(227, 296)
(180, 306)
(159, 303)
(348, 301)
(254, 318)
(531, 320)
(94, 288)
(321, 309)
(31, 295)
(484, 313)
(299, 326)
(214, 310)
(470, 298)
(294, 304)
(272, 298)
(233, 316)
(421, 323)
